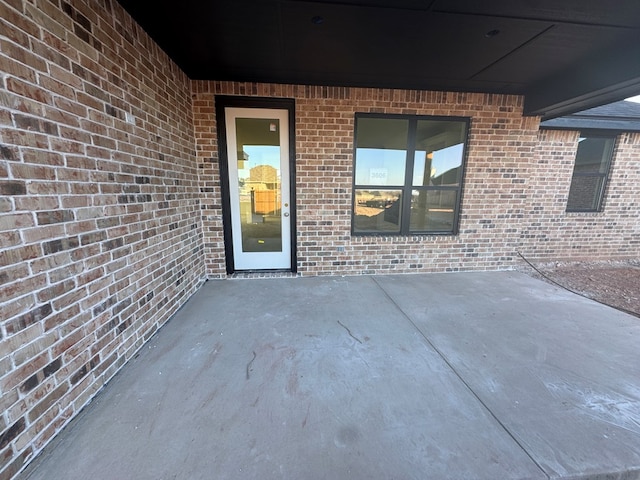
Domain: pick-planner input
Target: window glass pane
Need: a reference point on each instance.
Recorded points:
(384, 178)
(585, 193)
(439, 150)
(432, 210)
(377, 211)
(381, 151)
(594, 155)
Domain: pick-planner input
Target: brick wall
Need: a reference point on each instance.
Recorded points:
(501, 151)
(514, 199)
(100, 232)
(554, 234)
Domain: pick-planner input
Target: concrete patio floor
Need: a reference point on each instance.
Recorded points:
(443, 376)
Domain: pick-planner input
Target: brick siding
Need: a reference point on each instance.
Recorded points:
(99, 208)
(554, 234)
(516, 186)
(501, 151)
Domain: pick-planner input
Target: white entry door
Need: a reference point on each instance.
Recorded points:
(259, 190)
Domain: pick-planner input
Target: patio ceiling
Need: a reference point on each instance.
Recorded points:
(563, 55)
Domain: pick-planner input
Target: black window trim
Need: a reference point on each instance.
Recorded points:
(584, 133)
(408, 180)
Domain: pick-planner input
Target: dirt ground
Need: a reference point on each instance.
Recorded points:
(613, 283)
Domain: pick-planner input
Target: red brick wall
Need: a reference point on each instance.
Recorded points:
(501, 151)
(100, 231)
(554, 234)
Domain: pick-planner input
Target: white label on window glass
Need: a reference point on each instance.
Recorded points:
(272, 127)
(378, 176)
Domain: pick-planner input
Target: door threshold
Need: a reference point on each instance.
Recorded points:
(263, 274)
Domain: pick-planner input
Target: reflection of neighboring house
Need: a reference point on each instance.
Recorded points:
(263, 177)
(263, 186)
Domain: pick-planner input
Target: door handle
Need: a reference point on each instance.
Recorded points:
(286, 214)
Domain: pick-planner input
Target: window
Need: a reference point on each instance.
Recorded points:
(590, 173)
(407, 174)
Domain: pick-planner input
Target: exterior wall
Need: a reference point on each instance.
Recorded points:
(612, 234)
(501, 157)
(100, 231)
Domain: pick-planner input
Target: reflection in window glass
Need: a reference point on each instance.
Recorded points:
(593, 155)
(381, 151)
(439, 151)
(433, 210)
(380, 167)
(440, 167)
(590, 171)
(407, 166)
(377, 210)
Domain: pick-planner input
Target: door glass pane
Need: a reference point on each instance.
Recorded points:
(438, 155)
(432, 210)
(258, 157)
(381, 151)
(377, 211)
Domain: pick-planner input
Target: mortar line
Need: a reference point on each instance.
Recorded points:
(460, 377)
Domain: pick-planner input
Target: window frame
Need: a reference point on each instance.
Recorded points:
(604, 176)
(407, 187)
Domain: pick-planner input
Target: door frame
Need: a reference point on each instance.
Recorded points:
(222, 102)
